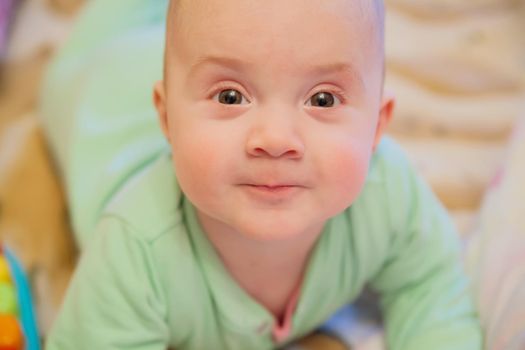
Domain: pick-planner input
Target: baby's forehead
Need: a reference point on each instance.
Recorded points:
(371, 11)
(351, 25)
(376, 5)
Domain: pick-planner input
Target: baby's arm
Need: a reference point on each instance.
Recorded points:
(425, 294)
(112, 302)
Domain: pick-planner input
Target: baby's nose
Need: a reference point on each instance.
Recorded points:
(275, 137)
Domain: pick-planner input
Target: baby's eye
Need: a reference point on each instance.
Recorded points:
(231, 97)
(323, 99)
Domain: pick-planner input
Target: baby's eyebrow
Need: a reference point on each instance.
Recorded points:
(343, 68)
(228, 62)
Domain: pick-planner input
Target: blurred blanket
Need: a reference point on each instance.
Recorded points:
(495, 255)
(6, 7)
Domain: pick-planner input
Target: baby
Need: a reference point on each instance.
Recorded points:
(277, 202)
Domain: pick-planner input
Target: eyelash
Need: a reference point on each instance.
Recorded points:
(340, 94)
(227, 86)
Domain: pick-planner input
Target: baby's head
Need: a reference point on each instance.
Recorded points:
(273, 109)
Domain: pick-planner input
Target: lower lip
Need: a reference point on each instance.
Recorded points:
(277, 193)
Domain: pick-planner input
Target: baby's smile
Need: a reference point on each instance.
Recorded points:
(273, 194)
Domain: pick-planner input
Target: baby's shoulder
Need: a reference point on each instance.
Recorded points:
(150, 202)
(392, 184)
(390, 166)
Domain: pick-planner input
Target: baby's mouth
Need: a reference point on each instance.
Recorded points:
(273, 188)
(272, 194)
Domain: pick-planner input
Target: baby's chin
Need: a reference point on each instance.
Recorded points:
(267, 229)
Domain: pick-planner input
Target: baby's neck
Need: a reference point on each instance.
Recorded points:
(271, 271)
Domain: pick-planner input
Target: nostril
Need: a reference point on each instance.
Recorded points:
(291, 154)
(274, 146)
(261, 152)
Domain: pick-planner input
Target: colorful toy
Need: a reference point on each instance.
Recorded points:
(17, 324)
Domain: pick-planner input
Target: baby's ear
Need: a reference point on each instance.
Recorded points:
(159, 99)
(385, 115)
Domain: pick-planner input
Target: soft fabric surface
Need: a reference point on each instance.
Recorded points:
(6, 7)
(495, 253)
(456, 66)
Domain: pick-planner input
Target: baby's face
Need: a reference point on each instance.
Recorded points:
(271, 109)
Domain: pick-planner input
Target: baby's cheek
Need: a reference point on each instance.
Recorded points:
(348, 173)
(196, 165)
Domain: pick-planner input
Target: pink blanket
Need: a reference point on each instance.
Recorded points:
(495, 253)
